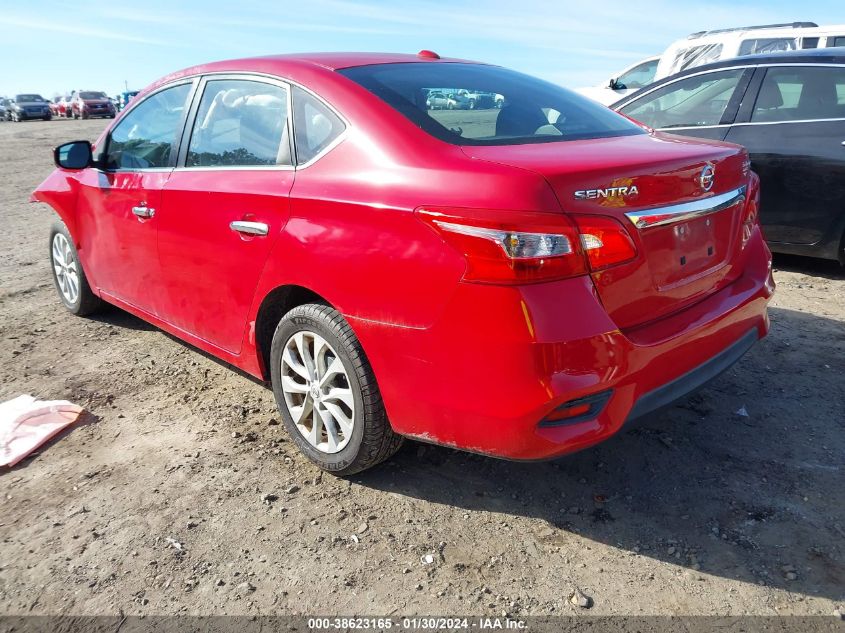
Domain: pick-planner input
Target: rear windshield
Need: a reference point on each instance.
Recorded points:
(92, 95)
(28, 98)
(472, 104)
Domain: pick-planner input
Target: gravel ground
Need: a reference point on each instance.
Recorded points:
(180, 493)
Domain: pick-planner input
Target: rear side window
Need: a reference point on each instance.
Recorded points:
(696, 56)
(144, 138)
(691, 102)
(838, 40)
(316, 125)
(240, 123)
(768, 45)
(801, 93)
(473, 104)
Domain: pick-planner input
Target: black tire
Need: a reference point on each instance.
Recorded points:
(86, 301)
(372, 438)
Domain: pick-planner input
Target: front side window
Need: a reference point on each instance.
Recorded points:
(800, 94)
(473, 104)
(240, 123)
(145, 137)
(316, 125)
(691, 102)
(639, 76)
(838, 40)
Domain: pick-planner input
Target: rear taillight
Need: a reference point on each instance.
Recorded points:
(750, 217)
(510, 246)
(523, 246)
(605, 241)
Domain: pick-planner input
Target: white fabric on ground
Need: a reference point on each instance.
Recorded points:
(26, 423)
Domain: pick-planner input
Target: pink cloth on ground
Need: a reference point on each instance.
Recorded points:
(26, 423)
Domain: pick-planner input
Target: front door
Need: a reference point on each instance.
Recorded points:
(118, 203)
(224, 206)
(794, 134)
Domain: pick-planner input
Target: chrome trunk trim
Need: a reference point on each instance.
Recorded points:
(686, 210)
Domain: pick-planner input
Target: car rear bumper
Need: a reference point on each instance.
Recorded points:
(500, 361)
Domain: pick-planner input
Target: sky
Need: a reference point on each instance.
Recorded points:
(55, 47)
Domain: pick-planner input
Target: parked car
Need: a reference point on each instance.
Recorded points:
(475, 100)
(623, 83)
(788, 110)
(518, 287)
(91, 103)
(54, 105)
(706, 47)
(124, 98)
(441, 101)
(65, 107)
(29, 106)
(4, 109)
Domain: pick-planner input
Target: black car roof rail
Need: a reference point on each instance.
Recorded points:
(782, 25)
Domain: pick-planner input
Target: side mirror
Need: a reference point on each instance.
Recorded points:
(612, 83)
(74, 155)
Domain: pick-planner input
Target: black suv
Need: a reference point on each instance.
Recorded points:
(788, 110)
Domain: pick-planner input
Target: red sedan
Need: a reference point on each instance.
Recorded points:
(521, 281)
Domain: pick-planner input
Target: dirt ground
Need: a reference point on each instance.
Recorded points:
(180, 493)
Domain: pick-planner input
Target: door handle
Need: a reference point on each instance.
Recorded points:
(143, 211)
(249, 228)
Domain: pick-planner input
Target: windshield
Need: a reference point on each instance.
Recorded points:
(28, 98)
(473, 104)
(92, 95)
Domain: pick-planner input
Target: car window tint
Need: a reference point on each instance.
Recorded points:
(802, 93)
(240, 123)
(638, 76)
(838, 40)
(690, 102)
(474, 104)
(144, 138)
(315, 125)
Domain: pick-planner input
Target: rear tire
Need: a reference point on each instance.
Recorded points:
(342, 434)
(68, 276)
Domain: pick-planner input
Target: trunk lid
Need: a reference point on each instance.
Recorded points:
(688, 241)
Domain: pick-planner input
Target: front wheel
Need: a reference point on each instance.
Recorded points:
(327, 393)
(68, 276)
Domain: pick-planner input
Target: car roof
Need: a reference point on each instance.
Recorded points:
(330, 61)
(294, 66)
(821, 56)
(809, 56)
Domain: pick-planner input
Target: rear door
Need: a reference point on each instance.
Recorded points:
(794, 130)
(224, 205)
(702, 105)
(118, 205)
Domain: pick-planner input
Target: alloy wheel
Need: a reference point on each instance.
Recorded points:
(317, 391)
(66, 269)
